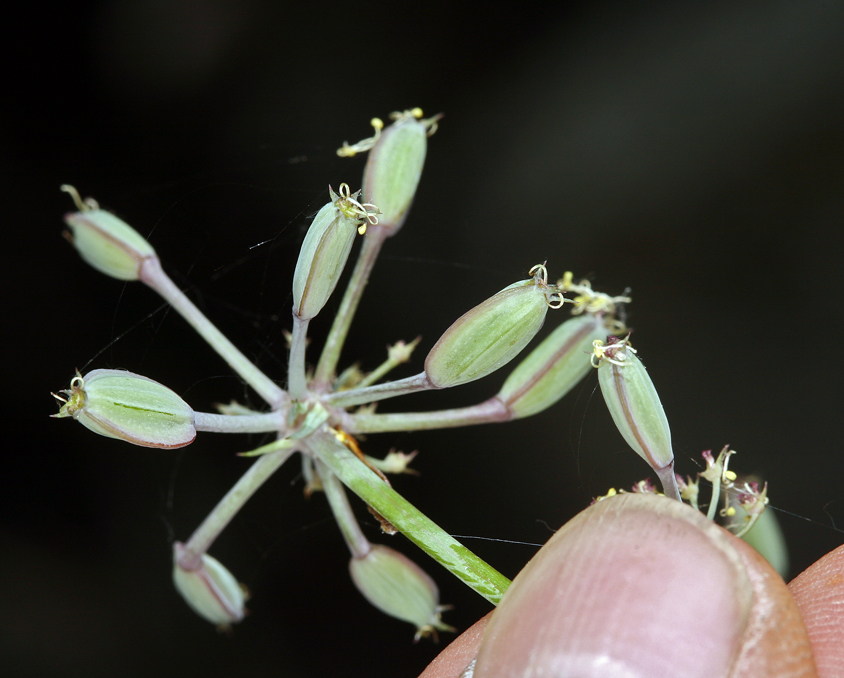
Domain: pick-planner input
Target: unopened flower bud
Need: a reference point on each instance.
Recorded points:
(209, 588)
(400, 588)
(326, 248)
(636, 408)
(493, 333)
(120, 404)
(105, 242)
(553, 368)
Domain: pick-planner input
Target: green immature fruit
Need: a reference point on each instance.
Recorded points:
(394, 167)
(553, 368)
(765, 535)
(636, 408)
(105, 242)
(325, 250)
(209, 588)
(127, 406)
(400, 588)
(493, 333)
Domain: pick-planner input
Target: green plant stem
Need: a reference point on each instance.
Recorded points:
(296, 384)
(154, 276)
(241, 423)
(713, 502)
(669, 481)
(421, 530)
(338, 501)
(327, 365)
(384, 368)
(376, 374)
(216, 521)
(490, 411)
(390, 389)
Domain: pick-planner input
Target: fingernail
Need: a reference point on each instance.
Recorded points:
(636, 585)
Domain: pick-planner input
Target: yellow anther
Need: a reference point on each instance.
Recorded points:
(613, 353)
(416, 113)
(351, 150)
(347, 203)
(597, 353)
(587, 299)
(727, 476)
(610, 493)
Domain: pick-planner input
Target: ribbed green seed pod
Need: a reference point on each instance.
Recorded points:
(127, 406)
(105, 242)
(210, 590)
(636, 408)
(393, 170)
(553, 368)
(765, 536)
(325, 250)
(491, 334)
(400, 588)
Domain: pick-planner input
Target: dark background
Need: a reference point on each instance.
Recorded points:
(693, 154)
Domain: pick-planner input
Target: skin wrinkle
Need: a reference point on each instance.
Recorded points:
(819, 594)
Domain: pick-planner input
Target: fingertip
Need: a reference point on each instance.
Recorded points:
(451, 662)
(819, 594)
(640, 585)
